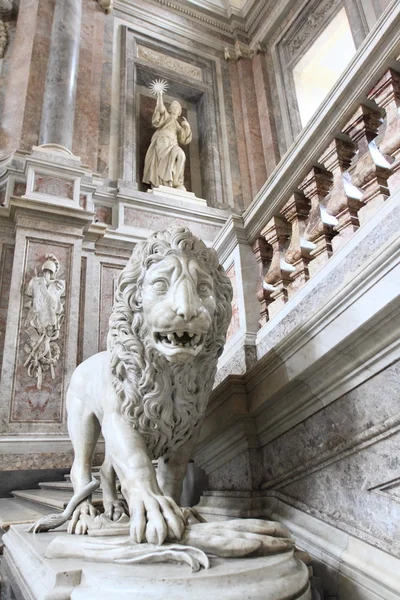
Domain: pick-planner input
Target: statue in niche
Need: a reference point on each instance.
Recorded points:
(165, 160)
(43, 321)
(148, 394)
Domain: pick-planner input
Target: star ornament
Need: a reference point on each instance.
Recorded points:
(158, 86)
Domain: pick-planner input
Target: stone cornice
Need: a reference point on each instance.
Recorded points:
(231, 22)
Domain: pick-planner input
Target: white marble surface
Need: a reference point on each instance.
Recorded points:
(279, 577)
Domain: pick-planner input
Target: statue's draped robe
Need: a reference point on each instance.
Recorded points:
(165, 160)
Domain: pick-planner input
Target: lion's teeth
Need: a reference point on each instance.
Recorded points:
(190, 334)
(179, 334)
(197, 339)
(170, 336)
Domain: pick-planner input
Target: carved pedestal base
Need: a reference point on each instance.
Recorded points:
(31, 575)
(173, 193)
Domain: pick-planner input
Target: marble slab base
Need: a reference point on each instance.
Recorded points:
(167, 192)
(33, 576)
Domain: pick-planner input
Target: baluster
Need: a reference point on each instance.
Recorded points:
(371, 171)
(344, 199)
(387, 95)
(296, 211)
(277, 278)
(319, 229)
(263, 253)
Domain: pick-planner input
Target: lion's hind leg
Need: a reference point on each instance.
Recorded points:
(84, 431)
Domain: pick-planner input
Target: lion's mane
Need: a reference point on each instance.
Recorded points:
(164, 401)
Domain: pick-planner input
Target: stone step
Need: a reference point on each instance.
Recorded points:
(56, 485)
(51, 497)
(13, 511)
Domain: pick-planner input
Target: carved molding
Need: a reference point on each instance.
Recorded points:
(306, 27)
(242, 51)
(106, 4)
(169, 62)
(43, 321)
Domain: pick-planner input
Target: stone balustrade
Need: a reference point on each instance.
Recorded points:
(344, 186)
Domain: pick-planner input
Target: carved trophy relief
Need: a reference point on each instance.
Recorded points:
(44, 318)
(165, 160)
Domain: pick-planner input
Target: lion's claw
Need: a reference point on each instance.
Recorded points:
(78, 526)
(154, 518)
(115, 509)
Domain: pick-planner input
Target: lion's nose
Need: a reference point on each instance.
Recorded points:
(187, 304)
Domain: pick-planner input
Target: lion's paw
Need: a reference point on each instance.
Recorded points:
(114, 509)
(155, 518)
(79, 525)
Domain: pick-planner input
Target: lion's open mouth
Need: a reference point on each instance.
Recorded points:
(182, 339)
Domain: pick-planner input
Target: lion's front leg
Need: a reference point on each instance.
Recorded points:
(153, 516)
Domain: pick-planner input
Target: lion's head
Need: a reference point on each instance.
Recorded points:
(168, 327)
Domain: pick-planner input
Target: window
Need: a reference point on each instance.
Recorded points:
(321, 66)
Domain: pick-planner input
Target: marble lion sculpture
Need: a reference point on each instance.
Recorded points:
(148, 392)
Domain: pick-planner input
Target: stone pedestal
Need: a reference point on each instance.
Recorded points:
(31, 575)
(168, 192)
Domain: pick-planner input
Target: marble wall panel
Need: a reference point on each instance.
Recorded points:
(29, 404)
(81, 317)
(103, 214)
(154, 221)
(41, 460)
(252, 129)
(19, 188)
(244, 472)
(342, 464)
(238, 120)
(269, 137)
(102, 163)
(6, 263)
(108, 283)
(17, 84)
(89, 84)
(230, 124)
(37, 73)
(235, 322)
(54, 186)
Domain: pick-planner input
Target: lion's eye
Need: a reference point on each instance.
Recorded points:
(203, 288)
(160, 285)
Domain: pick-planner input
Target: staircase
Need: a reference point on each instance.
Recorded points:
(27, 506)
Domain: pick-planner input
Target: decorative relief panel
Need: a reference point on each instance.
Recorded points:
(108, 280)
(154, 221)
(45, 303)
(169, 62)
(54, 186)
(40, 363)
(235, 322)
